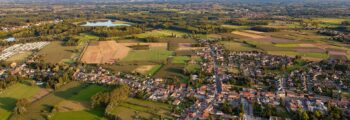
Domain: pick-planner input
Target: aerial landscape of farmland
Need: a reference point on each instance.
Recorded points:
(174, 60)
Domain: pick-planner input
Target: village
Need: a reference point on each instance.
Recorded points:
(251, 85)
(209, 97)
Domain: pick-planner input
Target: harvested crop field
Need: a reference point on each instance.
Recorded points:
(256, 36)
(236, 46)
(250, 35)
(310, 49)
(254, 32)
(104, 52)
(275, 40)
(143, 69)
(337, 54)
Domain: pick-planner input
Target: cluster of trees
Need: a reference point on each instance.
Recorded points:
(115, 31)
(186, 102)
(227, 108)
(328, 32)
(335, 35)
(341, 38)
(71, 41)
(244, 22)
(241, 81)
(200, 29)
(265, 29)
(65, 31)
(192, 68)
(59, 74)
(333, 113)
(111, 99)
(9, 80)
(192, 23)
(265, 111)
(21, 105)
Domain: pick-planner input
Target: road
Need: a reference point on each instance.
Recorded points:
(217, 79)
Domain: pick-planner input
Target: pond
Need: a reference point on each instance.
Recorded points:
(11, 39)
(108, 23)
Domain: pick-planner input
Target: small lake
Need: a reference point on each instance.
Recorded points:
(108, 23)
(11, 39)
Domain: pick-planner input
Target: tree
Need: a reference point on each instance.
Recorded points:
(119, 94)
(305, 116)
(317, 114)
(100, 99)
(21, 106)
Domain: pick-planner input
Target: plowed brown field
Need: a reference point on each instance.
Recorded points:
(104, 52)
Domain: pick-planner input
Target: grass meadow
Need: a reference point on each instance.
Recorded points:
(84, 38)
(82, 96)
(147, 55)
(91, 114)
(160, 34)
(55, 52)
(180, 59)
(154, 70)
(9, 96)
(145, 109)
(19, 57)
(236, 46)
(41, 108)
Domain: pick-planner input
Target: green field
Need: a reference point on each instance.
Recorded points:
(85, 94)
(174, 42)
(236, 46)
(236, 27)
(180, 59)
(92, 114)
(287, 45)
(74, 91)
(173, 71)
(154, 70)
(121, 22)
(193, 68)
(147, 55)
(122, 68)
(9, 96)
(283, 25)
(145, 109)
(331, 20)
(293, 54)
(19, 57)
(160, 34)
(42, 107)
(55, 52)
(83, 38)
(306, 36)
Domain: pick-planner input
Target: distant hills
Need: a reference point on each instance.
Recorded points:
(116, 1)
